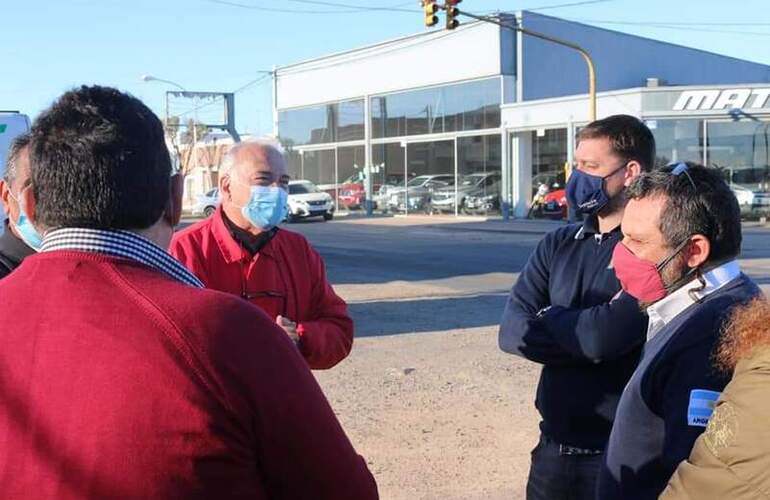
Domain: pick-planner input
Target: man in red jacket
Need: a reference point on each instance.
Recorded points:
(240, 250)
(121, 376)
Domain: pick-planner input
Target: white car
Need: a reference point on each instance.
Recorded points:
(306, 200)
(207, 203)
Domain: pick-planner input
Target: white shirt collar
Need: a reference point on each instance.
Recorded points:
(665, 310)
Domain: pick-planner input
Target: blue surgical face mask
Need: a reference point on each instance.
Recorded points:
(267, 206)
(25, 229)
(586, 192)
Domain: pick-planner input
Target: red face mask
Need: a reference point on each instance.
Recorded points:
(640, 278)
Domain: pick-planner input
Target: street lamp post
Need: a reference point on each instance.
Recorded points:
(151, 78)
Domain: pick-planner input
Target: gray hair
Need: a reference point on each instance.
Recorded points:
(12, 165)
(268, 143)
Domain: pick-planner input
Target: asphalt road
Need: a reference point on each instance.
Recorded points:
(421, 274)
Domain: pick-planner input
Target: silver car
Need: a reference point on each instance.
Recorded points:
(207, 203)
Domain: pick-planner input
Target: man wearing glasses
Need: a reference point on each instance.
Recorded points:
(681, 238)
(568, 313)
(241, 250)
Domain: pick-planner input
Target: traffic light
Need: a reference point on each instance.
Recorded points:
(430, 8)
(451, 14)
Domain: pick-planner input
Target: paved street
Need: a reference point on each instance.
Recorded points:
(419, 274)
(426, 388)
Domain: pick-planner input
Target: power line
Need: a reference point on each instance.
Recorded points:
(573, 4)
(350, 9)
(392, 8)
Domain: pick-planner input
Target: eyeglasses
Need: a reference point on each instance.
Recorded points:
(682, 168)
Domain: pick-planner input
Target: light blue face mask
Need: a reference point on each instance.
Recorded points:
(25, 229)
(267, 206)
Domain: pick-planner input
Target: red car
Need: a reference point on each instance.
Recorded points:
(555, 204)
(352, 195)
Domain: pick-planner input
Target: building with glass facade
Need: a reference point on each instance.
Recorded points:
(476, 119)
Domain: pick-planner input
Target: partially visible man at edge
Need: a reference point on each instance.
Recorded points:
(240, 250)
(18, 240)
(126, 378)
(731, 459)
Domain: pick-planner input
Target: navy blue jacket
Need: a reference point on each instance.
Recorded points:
(658, 417)
(589, 339)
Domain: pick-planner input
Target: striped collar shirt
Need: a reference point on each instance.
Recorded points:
(117, 243)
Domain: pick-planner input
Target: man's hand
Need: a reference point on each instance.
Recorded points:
(289, 326)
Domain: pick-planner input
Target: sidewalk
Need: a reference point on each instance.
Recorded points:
(450, 222)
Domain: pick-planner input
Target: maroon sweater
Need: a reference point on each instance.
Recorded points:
(116, 381)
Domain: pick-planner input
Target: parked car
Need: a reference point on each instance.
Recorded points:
(555, 203)
(306, 200)
(352, 192)
(549, 202)
(751, 186)
(417, 193)
(207, 203)
(389, 183)
(476, 193)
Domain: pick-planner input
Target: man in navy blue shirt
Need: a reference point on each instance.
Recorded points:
(567, 312)
(682, 235)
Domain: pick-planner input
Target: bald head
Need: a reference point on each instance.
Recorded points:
(248, 158)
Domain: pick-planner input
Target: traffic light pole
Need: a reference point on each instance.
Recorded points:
(564, 43)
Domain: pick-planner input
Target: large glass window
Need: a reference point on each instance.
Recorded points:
(549, 157)
(294, 164)
(479, 168)
(350, 121)
(430, 167)
(319, 167)
(312, 125)
(388, 170)
(350, 177)
(677, 140)
(742, 150)
(338, 122)
(465, 106)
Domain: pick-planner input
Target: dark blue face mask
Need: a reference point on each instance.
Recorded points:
(586, 193)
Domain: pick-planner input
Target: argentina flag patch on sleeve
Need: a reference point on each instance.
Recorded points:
(701, 406)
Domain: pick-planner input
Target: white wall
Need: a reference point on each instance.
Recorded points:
(441, 56)
(557, 112)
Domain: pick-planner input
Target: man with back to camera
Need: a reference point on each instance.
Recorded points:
(125, 378)
(681, 239)
(19, 239)
(240, 250)
(568, 312)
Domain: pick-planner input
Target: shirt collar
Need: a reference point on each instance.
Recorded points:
(117, 243)
(591, 226)
(231, 250)
(665, 310)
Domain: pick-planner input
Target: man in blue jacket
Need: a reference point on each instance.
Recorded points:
(682, 236)
(567, 312)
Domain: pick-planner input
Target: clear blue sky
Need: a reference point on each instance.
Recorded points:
(49, 46)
